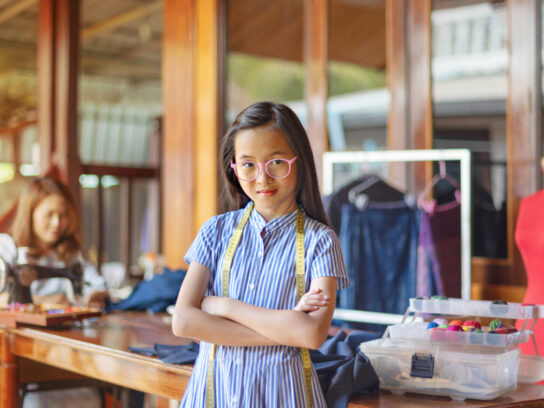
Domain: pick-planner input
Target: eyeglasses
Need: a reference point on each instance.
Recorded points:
(276, 168)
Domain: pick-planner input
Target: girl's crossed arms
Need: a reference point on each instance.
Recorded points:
(227, 321)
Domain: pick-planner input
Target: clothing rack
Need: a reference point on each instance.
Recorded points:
(330, 159)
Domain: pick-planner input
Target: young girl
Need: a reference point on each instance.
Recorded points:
(240, 298)
(46, 232)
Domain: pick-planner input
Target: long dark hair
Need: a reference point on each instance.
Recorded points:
(278, 117)
(22, 229)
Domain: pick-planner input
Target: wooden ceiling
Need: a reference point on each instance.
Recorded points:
(275, 28)
(123, 38)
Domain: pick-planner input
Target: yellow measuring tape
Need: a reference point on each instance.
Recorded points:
(301, 289)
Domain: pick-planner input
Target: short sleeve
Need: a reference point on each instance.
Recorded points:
(203, 249)
(8, 249)
(328, 260)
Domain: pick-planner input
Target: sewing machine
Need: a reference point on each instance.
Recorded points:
(17, 279)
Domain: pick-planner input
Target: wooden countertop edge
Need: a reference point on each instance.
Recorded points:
(95, 348)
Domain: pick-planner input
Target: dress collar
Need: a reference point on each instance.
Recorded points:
(258, 222)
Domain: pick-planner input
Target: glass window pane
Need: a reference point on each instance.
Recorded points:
(120, 81)
(469, 82)
(264, 55)
(358, 99)
(120, 106)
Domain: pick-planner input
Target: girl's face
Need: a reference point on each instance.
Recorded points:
(50, 219)
(272, 197)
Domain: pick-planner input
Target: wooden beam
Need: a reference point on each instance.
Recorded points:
(523, 118)
(120, 19)
(420, 95)
(46, 81)
(221, 90)
(100, 224)
(178, 147)
(66, 99)
(316, 81)
(121, 172)
(17, 128)
(15, 9)
(207, 103)
(22, 55)
(16, 146)
(397, 85)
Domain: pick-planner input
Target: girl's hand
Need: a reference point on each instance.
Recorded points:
(312, 300)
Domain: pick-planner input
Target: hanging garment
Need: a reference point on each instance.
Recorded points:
(439, 251)
(377, 192)
(428, 270)
(488, 224)
(380, 250)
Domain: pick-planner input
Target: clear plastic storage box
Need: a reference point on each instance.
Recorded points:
(411, 358)
(459, 375)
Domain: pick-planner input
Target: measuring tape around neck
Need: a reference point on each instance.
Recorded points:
(301, 289)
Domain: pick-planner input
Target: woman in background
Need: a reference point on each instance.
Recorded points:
(46, 232)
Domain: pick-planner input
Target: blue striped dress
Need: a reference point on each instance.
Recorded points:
(262, 274)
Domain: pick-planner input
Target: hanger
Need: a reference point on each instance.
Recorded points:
(352, 194)
(442, 175)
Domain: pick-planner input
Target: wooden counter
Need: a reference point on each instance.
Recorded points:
(99, 349)
(528, 396)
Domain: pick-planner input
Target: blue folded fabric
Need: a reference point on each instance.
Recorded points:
(155, 294)
(352, 373)
(343, 371)
(171, 354)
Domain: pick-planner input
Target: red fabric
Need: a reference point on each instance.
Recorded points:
(530, 241)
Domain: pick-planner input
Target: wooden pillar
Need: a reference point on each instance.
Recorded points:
(420, 95)
(58, 44)
(315, 59)
(178, 146)
(16, 142)
(66, 85)
(208, 101)
(397, 84)
(192, 121)
(9, 374)
(408, 42)
(46, 82)
(523, 118)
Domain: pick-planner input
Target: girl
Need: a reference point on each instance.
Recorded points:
(240, 293)
(46, 232)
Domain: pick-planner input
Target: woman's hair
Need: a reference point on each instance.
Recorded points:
(23, 230)
(278, 117)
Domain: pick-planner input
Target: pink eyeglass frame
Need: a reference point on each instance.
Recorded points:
(263, 165)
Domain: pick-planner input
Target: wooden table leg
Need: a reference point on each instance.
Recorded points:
(9, 383)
